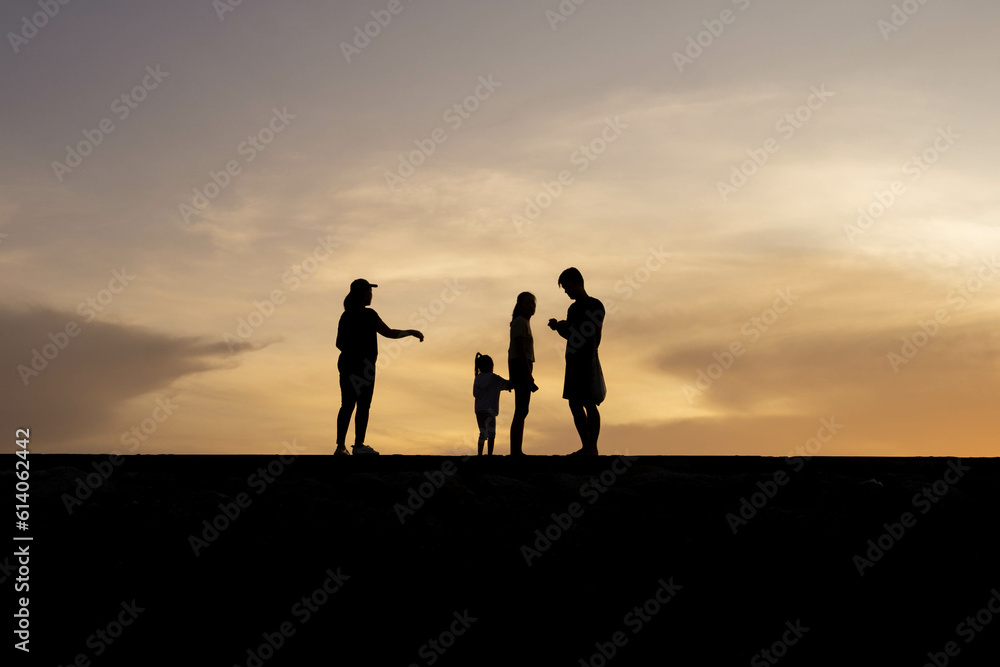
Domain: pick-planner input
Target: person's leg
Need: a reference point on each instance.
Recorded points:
(522, 400)
(593, 426)
(580, 421)
(348, 398)
(481, 421)
(491, 432)
(365, 394)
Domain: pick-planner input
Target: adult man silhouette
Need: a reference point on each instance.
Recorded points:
(584, 385)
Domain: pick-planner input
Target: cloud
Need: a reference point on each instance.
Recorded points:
(78, 382)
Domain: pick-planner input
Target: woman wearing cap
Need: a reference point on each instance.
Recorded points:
(358, 347)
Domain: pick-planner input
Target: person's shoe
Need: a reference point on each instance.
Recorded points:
(341, 451)
(363, 449)
(583, 452)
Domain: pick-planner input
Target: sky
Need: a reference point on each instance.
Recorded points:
(789, 210)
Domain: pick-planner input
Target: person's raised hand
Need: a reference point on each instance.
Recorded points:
(420, 336)
(553, 323)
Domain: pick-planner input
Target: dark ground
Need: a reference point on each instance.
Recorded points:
(662, 519)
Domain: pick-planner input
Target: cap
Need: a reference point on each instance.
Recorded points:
(361, 284)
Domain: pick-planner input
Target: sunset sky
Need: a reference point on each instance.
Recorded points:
(702, 163)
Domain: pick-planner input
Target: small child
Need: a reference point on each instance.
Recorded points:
(486, 388)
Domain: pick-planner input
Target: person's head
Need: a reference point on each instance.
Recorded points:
(525, 306)
(484, 363)
(360, 294)
(571, 280)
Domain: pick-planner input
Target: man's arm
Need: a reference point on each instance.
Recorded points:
(598, 320)
(561, 327)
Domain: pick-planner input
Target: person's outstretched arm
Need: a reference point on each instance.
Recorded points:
(383, 329)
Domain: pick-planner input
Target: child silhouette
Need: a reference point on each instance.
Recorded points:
(486, 388)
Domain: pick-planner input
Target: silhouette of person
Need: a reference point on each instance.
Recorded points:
(584, 384)
(486, 388)
(520, 362)
(358, 347)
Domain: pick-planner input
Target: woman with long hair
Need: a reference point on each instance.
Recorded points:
(520, 363)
